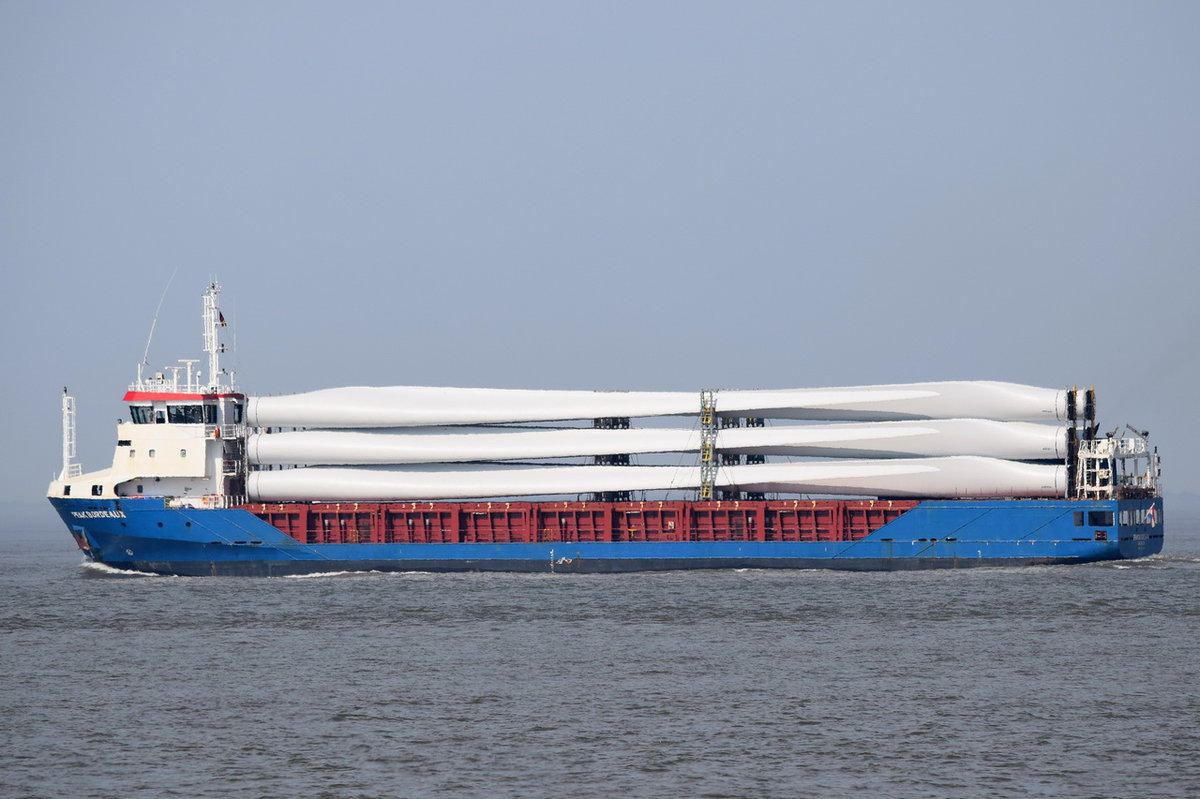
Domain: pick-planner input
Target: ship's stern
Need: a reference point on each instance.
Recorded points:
(1139, 527)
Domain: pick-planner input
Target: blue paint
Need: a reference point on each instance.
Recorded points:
(145, 535)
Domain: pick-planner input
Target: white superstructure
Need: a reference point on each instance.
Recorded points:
(184, 440)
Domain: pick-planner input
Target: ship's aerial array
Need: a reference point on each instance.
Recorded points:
(206, 480)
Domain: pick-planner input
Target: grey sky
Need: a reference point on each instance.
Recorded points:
(606, 195)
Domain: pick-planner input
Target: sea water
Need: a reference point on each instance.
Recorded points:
(1074, 681)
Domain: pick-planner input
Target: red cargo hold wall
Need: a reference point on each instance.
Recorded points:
(522, 522)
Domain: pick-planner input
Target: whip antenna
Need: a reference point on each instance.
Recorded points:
(153, 324)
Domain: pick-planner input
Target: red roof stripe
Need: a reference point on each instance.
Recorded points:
(148, 396)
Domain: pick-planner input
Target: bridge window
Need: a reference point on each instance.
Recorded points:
(141, 414)
(185, 414)
(1100, 518)
(210, 414)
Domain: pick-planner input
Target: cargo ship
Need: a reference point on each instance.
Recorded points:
(207, 480)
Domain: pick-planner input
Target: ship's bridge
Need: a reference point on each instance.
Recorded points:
(212, 409)
(184, 440)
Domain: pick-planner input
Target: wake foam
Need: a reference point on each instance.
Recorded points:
(352, 573)
(92, 568)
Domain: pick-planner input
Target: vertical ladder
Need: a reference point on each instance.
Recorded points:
(708, 443)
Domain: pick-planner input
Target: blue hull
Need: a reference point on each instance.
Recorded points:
(144, 535)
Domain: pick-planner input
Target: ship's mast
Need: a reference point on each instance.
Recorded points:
(212, 342)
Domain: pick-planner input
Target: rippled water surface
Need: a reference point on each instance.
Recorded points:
(1078, 681)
